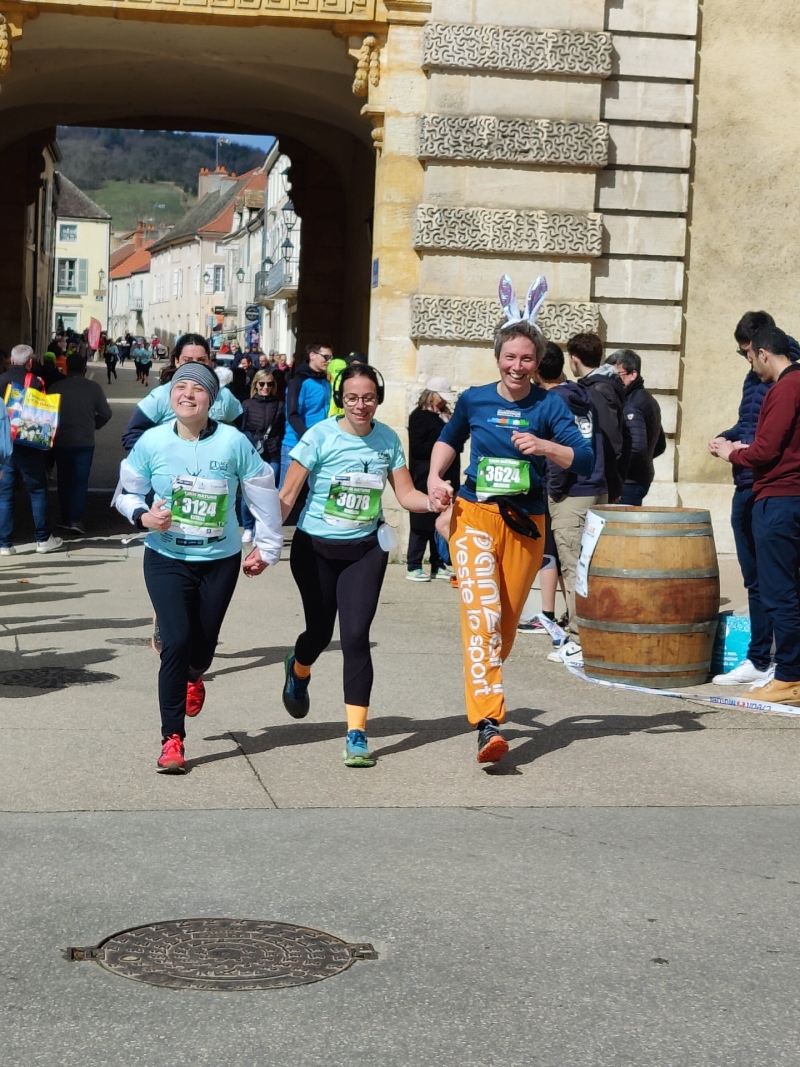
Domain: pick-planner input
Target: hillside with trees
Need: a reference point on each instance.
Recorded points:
(94, 157)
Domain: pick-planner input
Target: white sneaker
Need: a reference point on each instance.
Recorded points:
(742, 675)
(247, 537)
(571, 655)
(769, 675)
(50, 545)
(418, 575)
(8, 550)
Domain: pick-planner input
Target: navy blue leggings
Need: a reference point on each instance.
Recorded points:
(190, 601)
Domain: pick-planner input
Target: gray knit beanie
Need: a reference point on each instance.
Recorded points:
(201, 375)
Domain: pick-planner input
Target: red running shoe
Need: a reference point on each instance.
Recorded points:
(195, 697)
(171, 760)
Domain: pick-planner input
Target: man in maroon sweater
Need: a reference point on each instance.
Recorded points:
(774, 457)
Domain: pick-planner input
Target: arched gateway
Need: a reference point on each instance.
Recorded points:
(438, 143)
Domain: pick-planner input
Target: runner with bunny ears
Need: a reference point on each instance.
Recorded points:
(194, 466)
(341, 545)
(497, 526)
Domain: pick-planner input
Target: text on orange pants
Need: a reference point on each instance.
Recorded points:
(496, 568)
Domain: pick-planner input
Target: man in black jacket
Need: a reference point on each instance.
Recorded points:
(643, 418)
(608, 396)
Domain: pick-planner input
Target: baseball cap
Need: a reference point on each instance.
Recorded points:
(443, 388)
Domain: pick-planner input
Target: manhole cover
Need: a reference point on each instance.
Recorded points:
(53, 677)
(224, 954)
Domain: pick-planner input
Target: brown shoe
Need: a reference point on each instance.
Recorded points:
(780, 692)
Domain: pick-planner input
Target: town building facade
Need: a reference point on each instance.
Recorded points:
(437, 144)
(81, 269)
(190, 287)
(130, 287)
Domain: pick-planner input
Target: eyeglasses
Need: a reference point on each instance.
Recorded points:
(352, 401)
(265, 385)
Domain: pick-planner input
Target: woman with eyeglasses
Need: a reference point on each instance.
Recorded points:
(263, 424)
(341, 546)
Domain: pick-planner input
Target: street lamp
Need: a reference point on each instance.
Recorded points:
(206, 277)
(267, 263)
(240, 275)
(289, 218)
(101, 274)
(286, 249)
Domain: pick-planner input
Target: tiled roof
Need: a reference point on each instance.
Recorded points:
(135, 264)
(119, 255)
(75, 204)
(211, 215)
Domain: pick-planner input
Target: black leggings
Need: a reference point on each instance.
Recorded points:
(190, 601)
(351, 587)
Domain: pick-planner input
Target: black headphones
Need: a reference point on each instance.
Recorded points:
(337, 388)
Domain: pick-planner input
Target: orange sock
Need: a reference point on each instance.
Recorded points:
(356, 717)
(300, 671)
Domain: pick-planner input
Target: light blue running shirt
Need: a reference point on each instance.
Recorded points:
(157, 408)
(328, 452)
(226, 458)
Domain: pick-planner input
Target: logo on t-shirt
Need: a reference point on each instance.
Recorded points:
(510, 418)
(219, 465)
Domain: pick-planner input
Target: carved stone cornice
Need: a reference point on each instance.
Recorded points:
(410, 12)
(507, 232)
(489, 139)
(462, 46)
(347, 15)
(467, 320)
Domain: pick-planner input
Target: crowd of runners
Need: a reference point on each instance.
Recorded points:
(187, 464)
(542, 451)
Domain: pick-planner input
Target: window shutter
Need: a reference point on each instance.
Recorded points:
(83, 275)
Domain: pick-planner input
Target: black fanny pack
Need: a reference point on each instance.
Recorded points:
(511, 510)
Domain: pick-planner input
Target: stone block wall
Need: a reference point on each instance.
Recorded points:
(552, 137)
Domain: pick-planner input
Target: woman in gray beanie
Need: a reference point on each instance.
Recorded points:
(193, 549)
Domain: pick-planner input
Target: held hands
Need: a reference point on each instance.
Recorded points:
(158, 517)
(254, 565)
(440, 494)
(722, 448)
(528, 444)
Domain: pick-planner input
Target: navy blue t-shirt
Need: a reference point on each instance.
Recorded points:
(489, 420)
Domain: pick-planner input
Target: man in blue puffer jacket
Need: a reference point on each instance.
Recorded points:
(756, 668)
(308, 398)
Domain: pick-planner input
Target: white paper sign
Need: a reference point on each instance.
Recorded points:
(591, 535)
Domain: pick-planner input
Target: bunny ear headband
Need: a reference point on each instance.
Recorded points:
(534, 301)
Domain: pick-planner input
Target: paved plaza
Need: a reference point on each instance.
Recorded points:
(621, 889)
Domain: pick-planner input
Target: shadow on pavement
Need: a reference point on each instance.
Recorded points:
(559, 735)
(36, 673)
(266, 658)
(422, 732)
(44, 596)
(59, 624)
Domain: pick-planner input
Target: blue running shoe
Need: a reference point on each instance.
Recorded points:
(295, 691)
(356, 753)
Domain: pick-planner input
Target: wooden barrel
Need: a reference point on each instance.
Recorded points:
(651, 614)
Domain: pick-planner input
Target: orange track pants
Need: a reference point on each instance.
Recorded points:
(495, 568)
